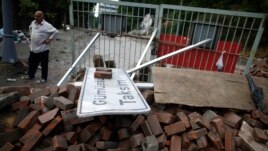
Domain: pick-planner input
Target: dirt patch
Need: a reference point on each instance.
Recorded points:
(60, 60)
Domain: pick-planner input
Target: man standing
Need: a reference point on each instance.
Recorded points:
(41, 33)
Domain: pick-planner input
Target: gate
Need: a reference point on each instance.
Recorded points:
(126, 27)
(233, 34)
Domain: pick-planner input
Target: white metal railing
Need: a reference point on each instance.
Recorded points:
(78, 60)
(124, 35)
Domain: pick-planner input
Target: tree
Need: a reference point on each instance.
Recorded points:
(27, 7)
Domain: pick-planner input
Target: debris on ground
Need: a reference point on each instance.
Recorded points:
(46, 120)
(260, 68)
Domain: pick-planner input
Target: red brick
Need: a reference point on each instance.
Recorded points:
(194, 126)
(63, 91)
(85, 135)
(20, 104)
(59, 143)
(123, 133)
(74, 148)
(46, 117)
(186, 112)
(22, 113)
(46, 142)
(161, 140)
(146, 128)
(135, 140)
(164, 117)
(121, 122)
(192, 147)
(202, 142)
(185, 141)
(63, 103)
(154, 125)
(25, 138)
(182, 117)
(194, 115)
(94, 126)
(124, 144)
(148, 95)
(74, 94)
(105, 133)
(260, 135)
(264, 118)
(171, 109)
(106, 145)
(103, 118)
(255, 114)
(175, 128)
(32, 141)
(50, 148)
(197, 133)
(138, 121)
(52, 125)
(87, 147)
(28, 121)
(7, 147)
(232, 119)
(70, 118)
(209, 115)
(253, 122)
(102, 75)
(150, 143)
(175, 144)
(202, 122)
(10, 136)
(215, 140)
(34, 107)
(96, 137)
(70, 136)
(229, 142)
(219, 125)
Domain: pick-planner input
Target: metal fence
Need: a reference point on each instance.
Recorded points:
(126, 27)
(234, 34)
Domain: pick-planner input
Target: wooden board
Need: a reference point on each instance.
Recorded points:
(205, 88)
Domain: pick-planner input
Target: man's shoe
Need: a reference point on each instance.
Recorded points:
(41, 81)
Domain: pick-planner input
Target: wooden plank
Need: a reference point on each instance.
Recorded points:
(205, 88)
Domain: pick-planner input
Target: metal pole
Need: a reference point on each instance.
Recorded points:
(78, 59)
(168, 55)
(144, 52)
(9, 50)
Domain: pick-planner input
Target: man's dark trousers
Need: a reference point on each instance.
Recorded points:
(34, 60)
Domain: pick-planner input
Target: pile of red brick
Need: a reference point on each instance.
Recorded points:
(46, 120)
(260, 68)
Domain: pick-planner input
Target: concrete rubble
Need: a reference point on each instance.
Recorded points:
(45, 119)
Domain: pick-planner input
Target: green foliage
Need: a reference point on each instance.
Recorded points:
(27, 7)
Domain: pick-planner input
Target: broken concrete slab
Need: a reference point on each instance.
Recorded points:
(205, 88)
(246, 134)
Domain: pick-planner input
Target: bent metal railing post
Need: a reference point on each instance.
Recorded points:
(168, 55)
(78, 59)
(144, 51)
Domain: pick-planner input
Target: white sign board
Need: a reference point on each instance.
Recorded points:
(113, 96)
